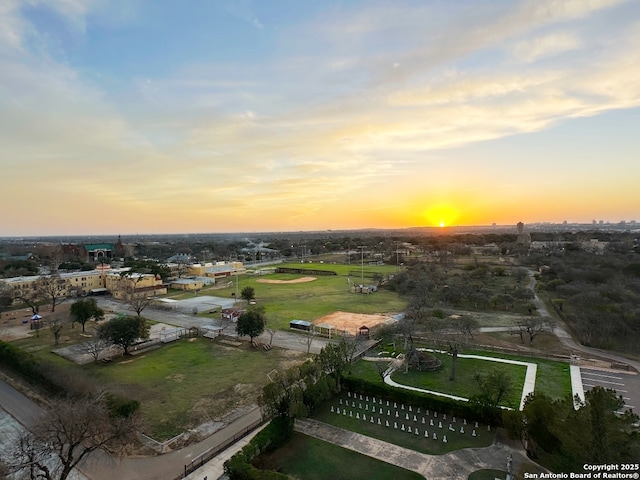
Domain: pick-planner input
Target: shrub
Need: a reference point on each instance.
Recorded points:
(272, 437)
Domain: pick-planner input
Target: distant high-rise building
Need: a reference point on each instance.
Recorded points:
(522, 238)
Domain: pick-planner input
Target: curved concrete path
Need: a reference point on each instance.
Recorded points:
(527, 388)
(454, 465)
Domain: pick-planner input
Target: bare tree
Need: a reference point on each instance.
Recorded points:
(96, 346)
(68, 433)
(453, 350)
(31, 297)
(467, 325)
(138, 303)
(56, 326)
(532, 326)
(52, 288)
(271, 332)
(308, 340)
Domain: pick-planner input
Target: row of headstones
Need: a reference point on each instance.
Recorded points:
(395, 424)
(416, 430)
(380, 402)
(397, 414)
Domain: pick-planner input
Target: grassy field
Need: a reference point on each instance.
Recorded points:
(455, 439)
(326, 294)
(465, 384)
(308, 458)
(181, 384)
(552, 379)
(190, 382)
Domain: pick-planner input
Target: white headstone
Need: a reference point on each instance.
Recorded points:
(461, 429)
(473, 434)
(422, 419)
(439, 424)
(386, 423)
(357, 415)
(402, 427)
(435, 437)
(409, 429)
(444, 439)
(395, 425)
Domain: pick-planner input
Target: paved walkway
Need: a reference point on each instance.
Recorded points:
(450, 466)
(528, 387)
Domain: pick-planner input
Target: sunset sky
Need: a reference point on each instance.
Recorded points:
(156, 116)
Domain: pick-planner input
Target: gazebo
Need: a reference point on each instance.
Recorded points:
(363, 332)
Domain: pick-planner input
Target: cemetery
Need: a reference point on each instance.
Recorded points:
(406, 425)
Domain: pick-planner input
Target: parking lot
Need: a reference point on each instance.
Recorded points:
(625, 384)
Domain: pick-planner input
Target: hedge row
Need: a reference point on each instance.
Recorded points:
(272, 437)
(27, 366)
(57, 381)
(468, 410)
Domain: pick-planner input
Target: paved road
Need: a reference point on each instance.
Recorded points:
(18, 406)
(168, 466)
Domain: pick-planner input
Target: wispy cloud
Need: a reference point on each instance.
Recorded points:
(367, 100)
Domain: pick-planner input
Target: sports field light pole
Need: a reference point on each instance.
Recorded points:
(237, 287)
(361, 247)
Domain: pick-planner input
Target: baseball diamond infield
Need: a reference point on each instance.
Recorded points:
(297, 280)
(351, 322)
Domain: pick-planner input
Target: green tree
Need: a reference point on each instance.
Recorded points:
(251, 323)
(494, 387)
(86, 309)
(124, 331)
(335, 359)
(248, 293)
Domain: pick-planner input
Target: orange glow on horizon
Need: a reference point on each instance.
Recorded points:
(442, 215)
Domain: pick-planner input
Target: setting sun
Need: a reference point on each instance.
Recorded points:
(441, 215)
